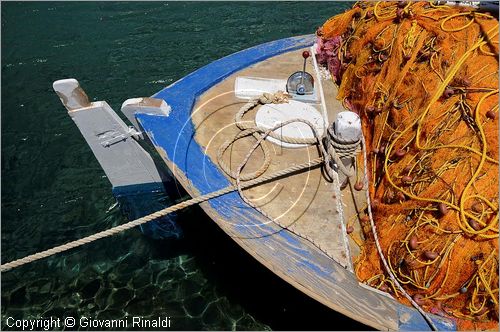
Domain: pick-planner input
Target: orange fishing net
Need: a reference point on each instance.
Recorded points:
(424, 79)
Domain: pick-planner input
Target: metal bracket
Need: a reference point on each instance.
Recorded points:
(116, 136)
(143, 105)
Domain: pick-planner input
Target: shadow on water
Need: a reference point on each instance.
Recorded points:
(267, 297)
(203, 281)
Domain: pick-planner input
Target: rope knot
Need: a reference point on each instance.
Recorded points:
(279, 97)
(337, 148)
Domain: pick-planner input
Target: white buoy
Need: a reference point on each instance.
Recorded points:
(270, 115)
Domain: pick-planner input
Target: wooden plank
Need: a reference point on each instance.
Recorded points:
(304, 203)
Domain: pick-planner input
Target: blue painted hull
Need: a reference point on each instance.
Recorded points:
(312, 271)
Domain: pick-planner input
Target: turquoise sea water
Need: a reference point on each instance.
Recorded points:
(54, 191)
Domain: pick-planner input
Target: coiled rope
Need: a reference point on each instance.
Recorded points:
(332, 147)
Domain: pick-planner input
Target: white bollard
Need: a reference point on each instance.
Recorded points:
(347, 126)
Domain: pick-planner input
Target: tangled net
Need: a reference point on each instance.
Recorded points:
(424, 79)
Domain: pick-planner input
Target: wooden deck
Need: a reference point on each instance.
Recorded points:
(306, 203)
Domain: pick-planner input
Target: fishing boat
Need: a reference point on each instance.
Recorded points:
(309, 247)
(267, 123)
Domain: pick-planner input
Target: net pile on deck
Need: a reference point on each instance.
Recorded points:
(424, 79)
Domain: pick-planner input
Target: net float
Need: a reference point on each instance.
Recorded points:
(400, 153)
(413, 243)
(431, 255)
(349, 229)
(442, 208)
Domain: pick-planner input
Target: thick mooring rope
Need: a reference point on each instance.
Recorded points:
(332, 149)
(156, 215)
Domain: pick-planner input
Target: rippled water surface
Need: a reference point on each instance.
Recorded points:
(54, 191)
